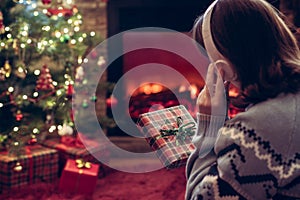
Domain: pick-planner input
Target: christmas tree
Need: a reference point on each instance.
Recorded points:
(42, 50)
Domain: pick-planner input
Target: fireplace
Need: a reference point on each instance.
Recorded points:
(152, 89)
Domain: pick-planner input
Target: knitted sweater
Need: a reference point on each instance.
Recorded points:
(256, 155)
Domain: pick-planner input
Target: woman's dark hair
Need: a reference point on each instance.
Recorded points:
(259, 45)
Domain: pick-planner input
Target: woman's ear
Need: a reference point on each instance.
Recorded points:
(226, 70)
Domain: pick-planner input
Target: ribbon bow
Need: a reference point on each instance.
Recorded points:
(83, 164)
(181, 131)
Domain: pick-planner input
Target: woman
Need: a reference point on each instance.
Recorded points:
(255, 155)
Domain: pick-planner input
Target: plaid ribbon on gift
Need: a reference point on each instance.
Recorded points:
(171, 138)
(39, 164)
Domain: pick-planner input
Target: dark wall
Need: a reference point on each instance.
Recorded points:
(178, 15)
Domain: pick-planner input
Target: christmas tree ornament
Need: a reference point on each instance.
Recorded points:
(19, 115)
(85, 103)
(21, 71)
(2, 74)
(44, 82)
(70, 90)
(7, 69)
(46, 2)
(2, 28)
(65, 130)
(18, 167)
(32, 140)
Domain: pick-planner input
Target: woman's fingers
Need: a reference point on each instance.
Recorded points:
(210, 78)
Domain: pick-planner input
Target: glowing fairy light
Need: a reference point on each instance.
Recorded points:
(22, 45)
(46, 28)
(45, 11)
(84, 35)
(73, 41)
(2, 44)
(10, 89)
(25, 97)
(70, 21)
(52, 129)
(20, 69)
(45, 42)
(76, 29)
(54, 83)
(16, 129)
(85, 60)
(1, 105)
(29, 41)
(7, 28)
(26, 28)
(33, 5)
(59, 127)
(67, 83)
(35, 94)
(58, 92)
(60, 15)
(66, 30)
(37, 72)
(79, 60)
(35, 131)
(92, 33)
(35, 13)
(80, 39)
(9, 36)
(57, 34)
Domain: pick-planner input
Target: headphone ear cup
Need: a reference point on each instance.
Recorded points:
(226, 70)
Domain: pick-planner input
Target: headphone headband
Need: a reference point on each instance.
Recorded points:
(210, 46)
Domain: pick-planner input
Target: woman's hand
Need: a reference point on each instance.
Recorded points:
(212, 98)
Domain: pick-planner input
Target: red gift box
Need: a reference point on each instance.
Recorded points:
(169, 132)
(79, 177)
(36, 164)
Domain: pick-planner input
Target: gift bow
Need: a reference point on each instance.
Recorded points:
(182, 131)
(83, 164)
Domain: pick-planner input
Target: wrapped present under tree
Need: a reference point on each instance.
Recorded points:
(35, 164)
(72, 148)
(79, 176)
(169, 132)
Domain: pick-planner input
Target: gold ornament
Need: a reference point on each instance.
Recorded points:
(7, 69)
(2, 74)
(18, 167)
(21, 71)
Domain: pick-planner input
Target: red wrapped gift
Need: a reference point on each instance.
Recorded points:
(79, 176)
(169, 132)
(37, 164)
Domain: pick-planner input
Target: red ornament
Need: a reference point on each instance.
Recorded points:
(44, 81)
(70, 90)
(56, 11)
(19, 116)
(46, 2)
